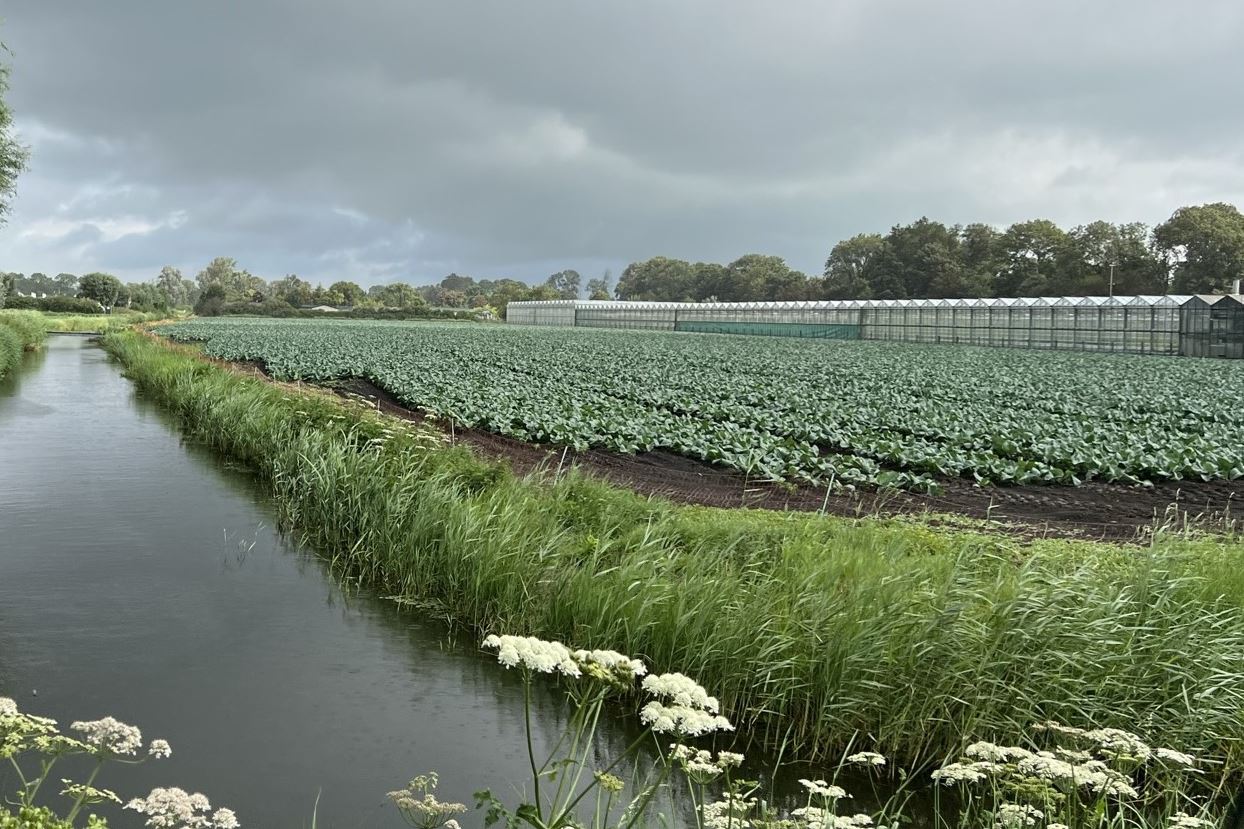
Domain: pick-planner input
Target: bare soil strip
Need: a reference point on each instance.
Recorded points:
(1095, 510)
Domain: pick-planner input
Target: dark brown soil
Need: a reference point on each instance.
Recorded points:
(1094, 510)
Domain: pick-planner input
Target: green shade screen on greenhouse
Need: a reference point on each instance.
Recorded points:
(824, 331)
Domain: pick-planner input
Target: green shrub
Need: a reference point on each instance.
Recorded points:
(30, 327)
(10, 350)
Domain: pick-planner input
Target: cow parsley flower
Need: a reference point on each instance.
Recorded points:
(955, 773)
(817, 818)
(866, 758)
(1182, 820)
(619, 663)
(1169, 755)
(1014, 816)
(682, 720)
(994, 753)
(821, 788)
(110, 735)
(179, 809)
(681, 690)
(420, 807)
(535, 654)
(160, 749)
(8, 708)
(730, 812)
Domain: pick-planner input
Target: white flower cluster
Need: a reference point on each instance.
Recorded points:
(681, 690)
(955, 773)
(866, 758)
(1114, 743)
(421, 808)
(1054, 767)
(178, 809)
(1169, 755)
(8, 708)
(700, 765)
(110, 735)
(822, 789)
(816, 818)
(160, 749)
(536, 654)
(1182, 820)
(611, 660)
(1015, 816)
(730, 812)
(691, 711)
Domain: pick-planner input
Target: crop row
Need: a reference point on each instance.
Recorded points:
(802, 411)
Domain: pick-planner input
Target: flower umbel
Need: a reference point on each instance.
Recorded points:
(182, 810)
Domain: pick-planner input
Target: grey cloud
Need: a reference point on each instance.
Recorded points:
(511, 139)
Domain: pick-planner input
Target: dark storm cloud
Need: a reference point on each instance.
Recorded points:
(402, 138)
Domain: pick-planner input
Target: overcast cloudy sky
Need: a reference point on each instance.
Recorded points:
(404, 139)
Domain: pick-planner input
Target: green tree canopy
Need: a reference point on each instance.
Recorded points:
(13, 155)
(104, 288)
(1204, 245)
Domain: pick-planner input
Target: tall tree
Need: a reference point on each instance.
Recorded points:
(1034, 251)
(292, 290)
(599, 288)
(565, 283)
(981, 257)
(13, 155)
(1204, 246)
(237, 283)
(659, 279)
(847, 264)
(104, 288)
(350, 292)
(171, 282)
(66, 284)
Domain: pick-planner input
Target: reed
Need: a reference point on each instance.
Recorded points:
(816, 632)
(27, 325)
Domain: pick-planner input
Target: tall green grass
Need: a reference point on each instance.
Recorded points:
(28, 325)
(19, 331)
(814, 630)
(97, 323)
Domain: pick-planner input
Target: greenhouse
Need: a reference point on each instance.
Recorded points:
(1198, 326)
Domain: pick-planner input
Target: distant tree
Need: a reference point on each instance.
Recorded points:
(349, 292)
(599, 288)
(981, 259)
(1106, 258)
(400, 295)
(453, 299)
(170, 281)
(292, 290)
(455, 282)
(104, 288)
(657, 279)
(1204, 247)
(211, 300)
(13, 155)
(756, 277)
(145, 296)
(237, 283)
(8, 287)
(1034, 252)
(565, 283)
(847, 264)
(66, 284)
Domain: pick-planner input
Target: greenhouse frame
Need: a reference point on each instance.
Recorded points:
(1196, 326)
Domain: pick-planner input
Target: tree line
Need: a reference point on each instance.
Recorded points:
(225, 287)
(1197, 250)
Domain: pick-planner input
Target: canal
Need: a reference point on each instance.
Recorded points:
(143, 577)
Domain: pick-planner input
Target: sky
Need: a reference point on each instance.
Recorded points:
(384, 140)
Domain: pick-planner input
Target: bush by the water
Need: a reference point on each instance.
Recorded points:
(55, 304)
(10, 350)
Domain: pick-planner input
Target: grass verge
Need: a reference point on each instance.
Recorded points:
(20, 331)
(816, 631)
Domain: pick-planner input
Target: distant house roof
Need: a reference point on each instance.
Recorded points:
(325, 308)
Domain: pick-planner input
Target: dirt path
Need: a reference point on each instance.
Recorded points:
(1094, 510)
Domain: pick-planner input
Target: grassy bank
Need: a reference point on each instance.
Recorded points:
(814, 630)
(20, 331)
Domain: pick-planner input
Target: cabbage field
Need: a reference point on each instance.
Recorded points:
(803, 411)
